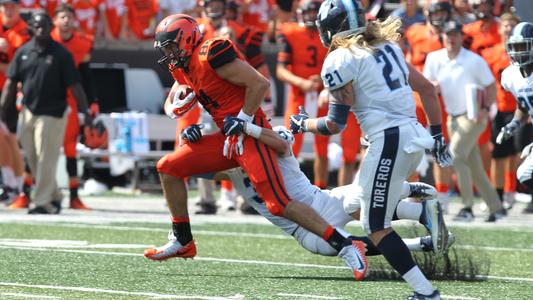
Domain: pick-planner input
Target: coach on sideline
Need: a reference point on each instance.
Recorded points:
(453, 68)
(45, 69)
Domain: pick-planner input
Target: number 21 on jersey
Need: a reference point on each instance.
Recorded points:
(388, 68)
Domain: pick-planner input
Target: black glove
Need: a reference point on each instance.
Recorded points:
(192, 133)
(440, 150)
(233, 125)
(298, 121)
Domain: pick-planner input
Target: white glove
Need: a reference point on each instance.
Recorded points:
(180, 107)
(233, 146)
(526, 151)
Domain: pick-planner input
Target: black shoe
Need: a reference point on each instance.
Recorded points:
(247, 209)
(416, 296)
(8, 194)
(41, 210)
(421, 191)
(426, 243)
(207, 209)
(528, 209)
(496, 215)
(465, 214)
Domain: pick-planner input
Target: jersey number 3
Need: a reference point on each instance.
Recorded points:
(382, 56)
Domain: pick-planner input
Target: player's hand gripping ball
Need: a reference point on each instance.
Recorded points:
(180, 100)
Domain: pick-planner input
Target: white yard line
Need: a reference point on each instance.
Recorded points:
(26, 296)
(306, 296)
(458, 297)
(237, 261)
(115, 292)
(244, 234)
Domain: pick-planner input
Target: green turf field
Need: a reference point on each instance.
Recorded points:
(235, 261)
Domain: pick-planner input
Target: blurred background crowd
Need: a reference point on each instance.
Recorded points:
(278, 38)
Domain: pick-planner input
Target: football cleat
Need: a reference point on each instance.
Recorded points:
(432, 218)
(426, 243)
(433, 296)
(355, 258)
(77, 204)
(171, 249)
(22, 201)
(421, 191)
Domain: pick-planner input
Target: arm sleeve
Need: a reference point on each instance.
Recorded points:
(220, 53)
(87, 81)
(68, 70)
(13, 68)
(340, 68)
(285, 55)
(483, 72)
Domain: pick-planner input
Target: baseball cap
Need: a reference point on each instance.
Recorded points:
(452, 26)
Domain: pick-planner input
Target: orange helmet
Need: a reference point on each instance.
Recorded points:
(95, 135)
(176, 37)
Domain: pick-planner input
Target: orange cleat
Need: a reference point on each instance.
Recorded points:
(355, 258)
(22, 201)
(77, 204)
(171, 249)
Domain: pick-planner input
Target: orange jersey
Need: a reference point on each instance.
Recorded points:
(421, 41)
(219, 97)
(15, 36)
(114, 9)
(248, 40)
(477, 37)
(86, 14)
(497, 59)
(302, 52)
(79, 45)
(257, 14)
(140, 14)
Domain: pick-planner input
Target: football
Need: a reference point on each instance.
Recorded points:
(180, 92)
(179, 101)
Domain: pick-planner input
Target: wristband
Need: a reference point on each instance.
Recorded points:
(435, 129)
(252, 130)
(243, 116)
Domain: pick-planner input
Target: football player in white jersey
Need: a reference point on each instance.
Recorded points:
(366, 73)
(518, 79)
(329, 204)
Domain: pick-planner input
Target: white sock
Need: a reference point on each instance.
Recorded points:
(406, 190)
(8, 177)
(417, 281)
(409, 210)
(413, 244)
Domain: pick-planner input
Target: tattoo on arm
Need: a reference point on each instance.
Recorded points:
(343, 95)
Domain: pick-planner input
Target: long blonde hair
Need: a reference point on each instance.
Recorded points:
(376, 32)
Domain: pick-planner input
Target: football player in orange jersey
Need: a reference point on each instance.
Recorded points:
(13, 34)
(79, 45)
(299, 64)
(423, 39)
(504, 158)
(231, 91)
(479, 35)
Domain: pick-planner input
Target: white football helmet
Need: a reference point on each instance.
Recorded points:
(284, 133)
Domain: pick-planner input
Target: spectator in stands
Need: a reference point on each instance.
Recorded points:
(46, 70)
(462, 12)
(170, 7)
(13, 34)
(79, 45)
(86, 15)
(113, 19)
(409, 13)
(504, 155)
(257, 13)
(452, 69)
(141, 16)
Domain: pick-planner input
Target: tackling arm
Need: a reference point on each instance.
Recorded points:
(340, 102)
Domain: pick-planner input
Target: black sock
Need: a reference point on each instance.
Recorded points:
(73, 192)
(371, 250)
(182, 231)
(338, 241)
(500, 193)
(396, 253)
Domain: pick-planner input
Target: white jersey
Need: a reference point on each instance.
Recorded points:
(297, 184)
(383, 97)
(520, 87)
